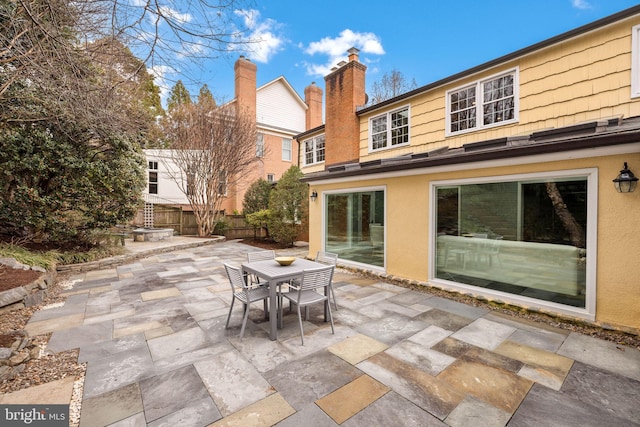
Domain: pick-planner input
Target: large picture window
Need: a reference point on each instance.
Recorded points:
(354, 226)
(526, 237)
(483, 104)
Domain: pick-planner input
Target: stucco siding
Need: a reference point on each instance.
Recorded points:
(408, 228)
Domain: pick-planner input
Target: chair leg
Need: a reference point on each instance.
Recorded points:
(229, 315)
(330, 315)
(334, 297)
(244, 319)
(300, 322)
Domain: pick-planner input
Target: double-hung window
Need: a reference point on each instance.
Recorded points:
(635, 61)
(389, 130)
(314, 150)
(485, 103)
(153, 177)
(260, 145)
(286, 149)
(222, 183)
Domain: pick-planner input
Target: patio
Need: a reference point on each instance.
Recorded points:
(152, 333)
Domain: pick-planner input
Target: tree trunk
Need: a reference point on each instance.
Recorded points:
(576, 232)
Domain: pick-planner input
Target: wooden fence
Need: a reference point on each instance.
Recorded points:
(184, 223)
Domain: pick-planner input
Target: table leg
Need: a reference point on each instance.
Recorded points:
(273, 310)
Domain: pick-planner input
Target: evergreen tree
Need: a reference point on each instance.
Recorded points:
(179, 95)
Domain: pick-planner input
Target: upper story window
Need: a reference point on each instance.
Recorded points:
(271, 177)
(153, 177)
(222, 183)
(635, 61)
(286, 149)
(389, 130)
(485, 103)
(314, 150)
(260, 145)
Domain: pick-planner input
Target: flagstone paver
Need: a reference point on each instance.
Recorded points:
(352, 398)
(152, 333)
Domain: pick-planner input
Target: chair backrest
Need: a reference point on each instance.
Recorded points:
(261, 255)
(236, 279)
(328, 258)
(315, 278)
(376, 234)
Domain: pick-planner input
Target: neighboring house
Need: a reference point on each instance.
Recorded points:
(280, 114)
(496, 181)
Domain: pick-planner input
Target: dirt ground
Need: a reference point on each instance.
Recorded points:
(11, 277)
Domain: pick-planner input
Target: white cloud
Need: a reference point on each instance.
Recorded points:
(175, 15)
(336, 49)
(581, 4)
(262, 42)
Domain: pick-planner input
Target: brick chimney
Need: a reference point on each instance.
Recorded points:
(313, 99)
(345, 91)
(245, 86)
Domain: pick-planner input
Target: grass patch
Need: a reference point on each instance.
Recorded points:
(50, 258)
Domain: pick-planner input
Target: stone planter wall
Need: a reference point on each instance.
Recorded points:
(28, 295)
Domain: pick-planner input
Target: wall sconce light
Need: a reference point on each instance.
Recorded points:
(626, 181)
(314, 196)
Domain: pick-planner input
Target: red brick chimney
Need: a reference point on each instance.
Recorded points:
(245, 86)
(345, 91)
(313, 99)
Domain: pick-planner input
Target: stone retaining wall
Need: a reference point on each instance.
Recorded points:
(28, 295)
(13, 358)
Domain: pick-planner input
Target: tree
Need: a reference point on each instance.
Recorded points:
(212, 148)
(70, 136)
(257, 197)
(389, 86)
(205, 96)
(68, 82)
(178, 96)
(57, 188)
(289, 207)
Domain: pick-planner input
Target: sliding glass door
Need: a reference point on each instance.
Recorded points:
(354, 226)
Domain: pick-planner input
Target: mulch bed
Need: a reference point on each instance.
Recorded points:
(12, 277)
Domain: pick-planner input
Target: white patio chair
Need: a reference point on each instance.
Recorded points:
(246, 293)
(306, 293)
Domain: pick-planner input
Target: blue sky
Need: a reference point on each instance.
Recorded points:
(425, 40)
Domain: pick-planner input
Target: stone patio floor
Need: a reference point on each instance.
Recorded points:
(152, 334)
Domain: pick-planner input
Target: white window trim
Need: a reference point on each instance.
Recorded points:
(479, 102)
(290, 150)
(635, 61)
(388, 115)
(260, 145)
(323, 234)
(589, 312)
(315, 151)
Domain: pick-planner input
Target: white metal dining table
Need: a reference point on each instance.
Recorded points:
(274, 273)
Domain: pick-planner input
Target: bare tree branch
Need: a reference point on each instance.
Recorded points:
(213, 147)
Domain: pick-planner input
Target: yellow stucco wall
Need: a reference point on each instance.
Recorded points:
(618, 237)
